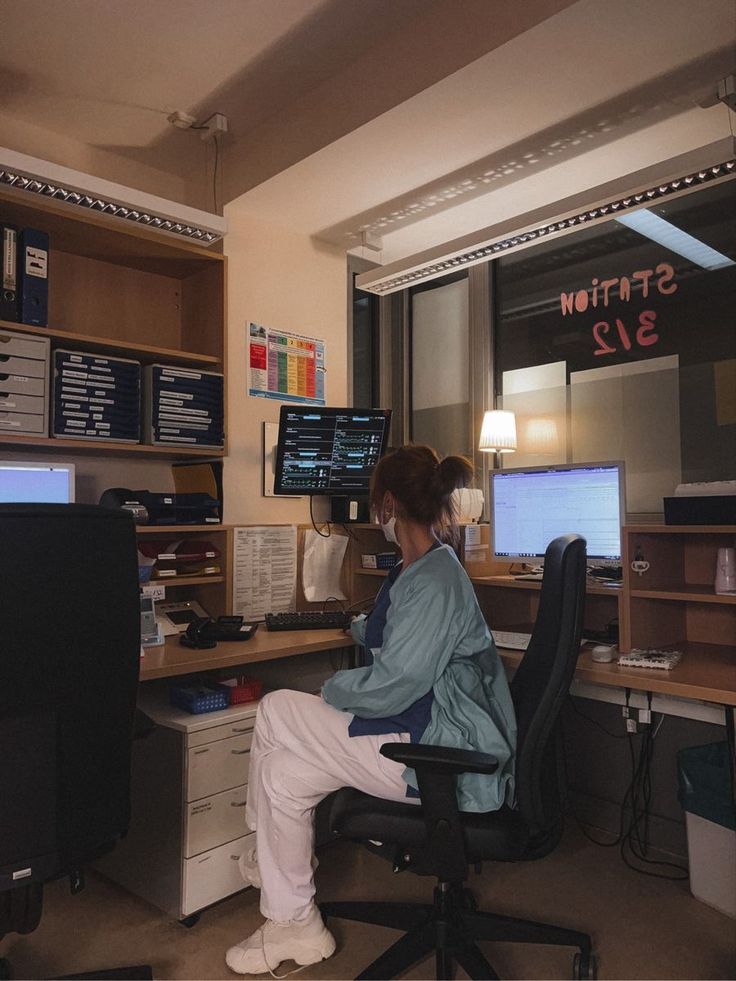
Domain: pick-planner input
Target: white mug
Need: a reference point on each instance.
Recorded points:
(726, 571)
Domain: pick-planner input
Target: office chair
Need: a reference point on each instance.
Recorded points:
(436, 839)
(69, 663)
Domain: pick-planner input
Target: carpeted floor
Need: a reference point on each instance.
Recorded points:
(641, 927)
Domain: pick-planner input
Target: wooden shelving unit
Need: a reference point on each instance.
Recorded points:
(117, 348)
(98, 447)
(131, 292)
(123, 291)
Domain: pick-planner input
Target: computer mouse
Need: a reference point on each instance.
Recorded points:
(603, 652)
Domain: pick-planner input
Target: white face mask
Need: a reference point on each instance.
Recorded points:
(389, 530)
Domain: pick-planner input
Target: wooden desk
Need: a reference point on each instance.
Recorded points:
(709, 677)
(172, 659)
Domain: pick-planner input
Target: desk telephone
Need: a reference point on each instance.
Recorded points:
(203, 633)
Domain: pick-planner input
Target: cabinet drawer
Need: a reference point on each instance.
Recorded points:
(21, 346)
(203, 736)
(214, 820)
(213, 875)
(33, 404)
(21, 422)
(217, 766)
(21, 384)
(22, 366)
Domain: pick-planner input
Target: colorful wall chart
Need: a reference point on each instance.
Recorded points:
(284, 366)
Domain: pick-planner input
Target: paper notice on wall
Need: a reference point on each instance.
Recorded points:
(264, 570)
(321, 566)
(285, 366)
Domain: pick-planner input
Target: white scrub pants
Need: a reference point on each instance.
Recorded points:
(302, 752)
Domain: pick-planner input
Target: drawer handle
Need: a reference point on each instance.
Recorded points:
(198, 752)
(239, 752)
(242, 730)
(205, 859)
(237, 803)
(4, 339)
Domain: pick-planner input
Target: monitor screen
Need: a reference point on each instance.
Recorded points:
(531, 507)
(36, 483)
(329, 451)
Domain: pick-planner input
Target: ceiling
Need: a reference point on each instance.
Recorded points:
(511, 130)
(403, 119)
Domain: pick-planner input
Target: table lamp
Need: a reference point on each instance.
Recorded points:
(498, 432)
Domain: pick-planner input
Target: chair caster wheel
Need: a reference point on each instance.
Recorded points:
(190, 921)
(584, 968)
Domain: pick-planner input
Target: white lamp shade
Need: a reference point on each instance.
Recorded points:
(498, 432)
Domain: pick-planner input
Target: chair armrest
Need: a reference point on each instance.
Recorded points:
(440, 759)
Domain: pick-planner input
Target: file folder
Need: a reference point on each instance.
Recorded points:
(33, 269)
(9, 293)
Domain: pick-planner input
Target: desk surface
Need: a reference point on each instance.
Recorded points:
(172, 659)
(706, 673)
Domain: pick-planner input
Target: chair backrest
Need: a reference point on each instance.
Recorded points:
(540, 686)
(69, 664)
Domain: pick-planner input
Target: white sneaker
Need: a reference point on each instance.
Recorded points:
(248, 865)
(304, 941)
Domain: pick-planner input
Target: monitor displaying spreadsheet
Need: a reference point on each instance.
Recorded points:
(530, 507)
(36, 483)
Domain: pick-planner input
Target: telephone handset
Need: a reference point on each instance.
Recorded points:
(203, 633)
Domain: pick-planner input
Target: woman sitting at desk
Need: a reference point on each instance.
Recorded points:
(433, 676)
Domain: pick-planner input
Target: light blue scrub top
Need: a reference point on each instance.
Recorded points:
(435, 637)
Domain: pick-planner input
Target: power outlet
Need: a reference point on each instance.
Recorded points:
(215, 125)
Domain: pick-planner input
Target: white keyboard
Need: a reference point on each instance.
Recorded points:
(511, 640)
(530, 577)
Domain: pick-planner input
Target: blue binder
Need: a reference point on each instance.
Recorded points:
(33, 269)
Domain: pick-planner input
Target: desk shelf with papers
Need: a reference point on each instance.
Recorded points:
(212, 592)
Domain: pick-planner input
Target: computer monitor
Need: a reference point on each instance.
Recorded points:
(36, 483)
(531, 506)
(329, 451)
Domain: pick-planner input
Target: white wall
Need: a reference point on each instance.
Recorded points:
(282, 280)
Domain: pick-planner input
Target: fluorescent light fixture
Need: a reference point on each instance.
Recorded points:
(29, 176)
(672, 178)
(646, 223)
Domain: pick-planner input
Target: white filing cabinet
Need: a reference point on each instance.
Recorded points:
(188, 830)
(24, 378)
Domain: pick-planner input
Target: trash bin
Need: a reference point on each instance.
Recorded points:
(706, 794)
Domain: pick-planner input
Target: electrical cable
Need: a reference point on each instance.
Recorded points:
(633, 835)
(311, 515)
(214, 174)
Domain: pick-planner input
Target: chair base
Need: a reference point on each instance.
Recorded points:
(450, 929)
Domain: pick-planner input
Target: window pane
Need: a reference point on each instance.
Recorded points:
(618, 342)
(365, 349)
(440, 413)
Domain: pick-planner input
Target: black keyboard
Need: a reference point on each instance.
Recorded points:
(324, 620)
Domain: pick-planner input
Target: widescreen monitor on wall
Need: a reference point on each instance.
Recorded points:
(329, 451)
(530, 507)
